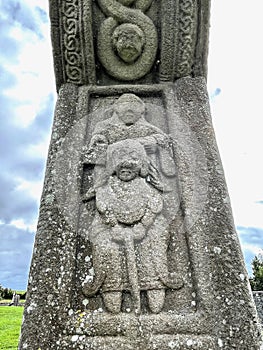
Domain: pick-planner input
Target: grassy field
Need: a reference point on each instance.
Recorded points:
(7, 301)
(10, 323)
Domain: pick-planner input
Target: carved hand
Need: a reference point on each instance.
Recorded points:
(148, 218)
(149, 144)
(90, 194)
(122, 233)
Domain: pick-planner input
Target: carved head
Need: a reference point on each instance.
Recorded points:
(128, 40)
(129, 108)
(128, 170)
(127, 159)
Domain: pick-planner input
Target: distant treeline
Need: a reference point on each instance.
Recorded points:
(7, 293)
(256, 281)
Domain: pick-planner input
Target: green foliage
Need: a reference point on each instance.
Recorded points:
(256, 281)
(10, 324)
(22, 295)
(7, 293)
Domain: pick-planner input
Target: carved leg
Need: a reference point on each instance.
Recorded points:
(156, 299)
(113, 301)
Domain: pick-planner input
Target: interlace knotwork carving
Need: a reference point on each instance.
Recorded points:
(187, 23)
(127, 39)
(72, 55)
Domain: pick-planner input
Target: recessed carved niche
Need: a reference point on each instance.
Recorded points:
(136, 260)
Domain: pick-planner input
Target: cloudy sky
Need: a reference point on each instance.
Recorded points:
(27, 97)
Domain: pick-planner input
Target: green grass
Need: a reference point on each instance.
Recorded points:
(7, 301)
(10, 323)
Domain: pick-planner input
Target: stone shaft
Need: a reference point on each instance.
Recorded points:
(136, 247)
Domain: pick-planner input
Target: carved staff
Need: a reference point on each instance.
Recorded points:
(128, 235)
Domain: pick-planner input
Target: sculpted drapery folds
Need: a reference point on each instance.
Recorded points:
(131, 158)
(128, 122)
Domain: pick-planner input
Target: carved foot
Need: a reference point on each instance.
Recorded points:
(90, 288)
(112, 301)
(156, 299)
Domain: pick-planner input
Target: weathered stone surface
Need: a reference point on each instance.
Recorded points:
(136, 246)
(212, 309)
(258, 298)
(170, 41)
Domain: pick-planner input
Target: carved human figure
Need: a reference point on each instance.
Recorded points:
(131, 160)
(128, 40)
(129, 230)
(128, 122)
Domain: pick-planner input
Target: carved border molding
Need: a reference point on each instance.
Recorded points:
(181, 24)
(187, 25)
(71, 43)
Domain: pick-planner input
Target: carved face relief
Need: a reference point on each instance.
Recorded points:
(127, 171)
(128, 40)
(127, 50)
(130, 113)
(130, 163)
(128, 160)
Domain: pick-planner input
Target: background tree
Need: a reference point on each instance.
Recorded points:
(256, 281)
(1, 292)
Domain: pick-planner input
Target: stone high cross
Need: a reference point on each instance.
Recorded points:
(136, 247)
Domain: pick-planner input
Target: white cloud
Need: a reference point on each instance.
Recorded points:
(30, 188)
(22, 225)
(234, 65)
(37, 3)
(39, 149)
(255, 250)
(247, 213)
(33, 70)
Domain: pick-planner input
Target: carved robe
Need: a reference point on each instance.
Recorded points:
(133, 205)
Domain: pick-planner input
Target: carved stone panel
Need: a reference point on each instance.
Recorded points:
(134, 256)
(127, 39)
(133, 180)
(144, 41)
(135, 248)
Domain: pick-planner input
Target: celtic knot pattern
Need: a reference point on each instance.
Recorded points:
(186, 24)
(127, 39)
(72, 53)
